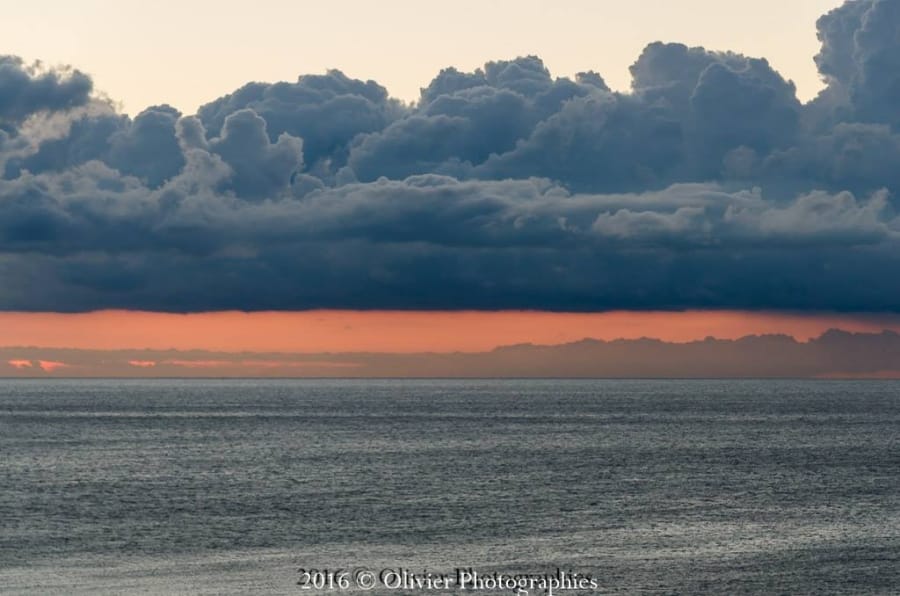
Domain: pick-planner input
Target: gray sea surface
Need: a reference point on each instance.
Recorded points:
(648, 487)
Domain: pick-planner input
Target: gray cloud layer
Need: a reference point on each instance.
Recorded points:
(709, 185)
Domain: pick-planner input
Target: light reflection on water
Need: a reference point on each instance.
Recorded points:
(223, 486)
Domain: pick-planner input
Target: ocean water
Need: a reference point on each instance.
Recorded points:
(648, 487)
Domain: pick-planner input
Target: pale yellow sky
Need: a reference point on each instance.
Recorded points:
(188, 52)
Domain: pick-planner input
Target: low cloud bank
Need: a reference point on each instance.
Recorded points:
(709, 185)
(834, 354)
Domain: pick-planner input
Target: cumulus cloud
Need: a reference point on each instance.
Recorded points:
(465, 118)
(148, 149)
(326, 111)
(860, 61)
(708, 185)
(262, 169)
(78, 137)
(599, 142)
(27, 89)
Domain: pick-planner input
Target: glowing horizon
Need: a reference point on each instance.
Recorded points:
(403, 331)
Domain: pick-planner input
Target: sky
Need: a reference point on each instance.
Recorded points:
(401, 332)
(185, 53)
(378, 176)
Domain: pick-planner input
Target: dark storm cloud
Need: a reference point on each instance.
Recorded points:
(435, 242)
(80, 137)
(465, 118)
(709, 185)
(261, 169)
(148, 149)
(26, 89)
(326, 111)
(599, 142)
(860, 59)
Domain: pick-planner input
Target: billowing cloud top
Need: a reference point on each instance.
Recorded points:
(709, 185)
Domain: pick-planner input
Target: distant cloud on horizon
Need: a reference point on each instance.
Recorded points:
(834, 354)
(709, 186)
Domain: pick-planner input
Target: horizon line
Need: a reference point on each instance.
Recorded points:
(790, 336)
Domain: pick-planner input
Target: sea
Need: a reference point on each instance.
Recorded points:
(382, 486)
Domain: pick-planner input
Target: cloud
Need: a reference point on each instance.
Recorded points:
(50, 366)
(431, 242)
(465, 118)
(78, 136)
(261, 169)
(600, 142)
(273, 366)
(835, 353)
(27, 89)
(148, 149)
(25, 365)
(326, 111)
(142, 363)
(860, 60)
(709, 185)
